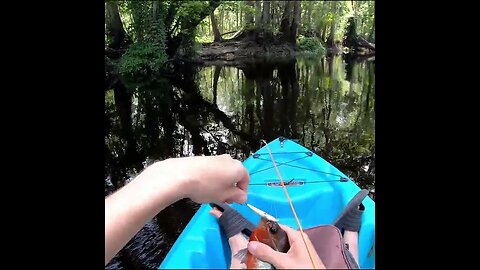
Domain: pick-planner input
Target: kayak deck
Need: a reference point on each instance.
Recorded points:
(318, 191)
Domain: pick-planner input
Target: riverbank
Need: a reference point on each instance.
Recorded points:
(226, 52)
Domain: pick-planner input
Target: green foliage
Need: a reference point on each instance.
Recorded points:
(317, 18)
(230, 17)
(190, 12)
(310, 44)
(147, 54)
(344, 11)
(325, 13)
(364, 14)
(140, 14)
(188, 47)
(204, 39)
(231, 6)
(141, 59)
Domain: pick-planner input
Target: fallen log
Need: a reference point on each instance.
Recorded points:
(361, 42)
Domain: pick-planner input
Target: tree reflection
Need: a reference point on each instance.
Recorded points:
(309, 100)
(327, 104)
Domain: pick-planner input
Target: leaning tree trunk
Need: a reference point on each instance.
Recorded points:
(217, 37)
(115, 30)
(186, 32)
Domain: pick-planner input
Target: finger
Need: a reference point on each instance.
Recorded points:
(237, 195)
(239, 175)
(216, 213)
(242, 178)
(266, 253)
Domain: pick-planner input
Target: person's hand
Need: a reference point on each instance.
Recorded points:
(215, 179)
(296, 257)
(204, 179)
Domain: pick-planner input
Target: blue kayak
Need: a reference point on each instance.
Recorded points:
(318, 190)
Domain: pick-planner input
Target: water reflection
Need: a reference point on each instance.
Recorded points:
(311, 100)
(327, 104)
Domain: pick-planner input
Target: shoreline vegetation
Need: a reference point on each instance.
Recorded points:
(145, 37)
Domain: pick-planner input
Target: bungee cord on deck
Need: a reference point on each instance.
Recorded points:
(287, 163)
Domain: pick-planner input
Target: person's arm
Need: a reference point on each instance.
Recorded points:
(127, 210)
(296, 257)
(215, 179)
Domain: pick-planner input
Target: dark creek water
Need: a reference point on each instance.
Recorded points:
(328, 104)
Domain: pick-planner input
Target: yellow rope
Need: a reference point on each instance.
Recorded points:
(290, 202)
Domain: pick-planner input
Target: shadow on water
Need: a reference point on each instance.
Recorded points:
(327, 104)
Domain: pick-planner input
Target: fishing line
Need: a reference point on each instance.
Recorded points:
(290, 202)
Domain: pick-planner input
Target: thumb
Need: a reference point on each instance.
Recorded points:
(294, 235)
(265, 253)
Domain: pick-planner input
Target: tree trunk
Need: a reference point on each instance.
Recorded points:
(216, 75)
(266, 16)
(324, 33)
(258, 104)
(309, 18)
(240, 17)
(331, 38)
(296, 21)
(279, 12)
(185, 33)
(286, 23)
(123, 104)
(150, 124)
(138, 19)
(273, 14)
(290, 88)
(327, 111)
(258, 14)
(351, 35)
(268, 109)
(249, 16)
(222, 28)
(237, 16)
(295, 87)
(115, 30)
(371, 37)
(156, 10)
(250, 106)
(217, 37)
(169, 123)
